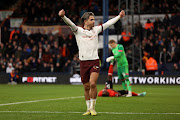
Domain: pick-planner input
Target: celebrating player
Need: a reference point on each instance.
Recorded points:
(122, 65)
(87, 41)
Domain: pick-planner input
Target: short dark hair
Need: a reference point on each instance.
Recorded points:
(112, 41)
(86, 15)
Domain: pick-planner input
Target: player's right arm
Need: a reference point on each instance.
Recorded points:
(73, 27)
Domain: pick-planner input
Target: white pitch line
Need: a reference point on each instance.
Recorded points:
(40, 100)
(117, 113)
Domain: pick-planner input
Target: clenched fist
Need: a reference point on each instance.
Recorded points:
(122, 14)
(61, 13)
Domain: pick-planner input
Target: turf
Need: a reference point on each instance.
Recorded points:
(160, 99)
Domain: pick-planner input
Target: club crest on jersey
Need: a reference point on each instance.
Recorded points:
(95, 67)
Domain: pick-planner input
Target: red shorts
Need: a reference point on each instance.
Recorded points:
(87, 67)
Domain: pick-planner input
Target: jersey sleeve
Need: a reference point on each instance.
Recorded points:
(98, 28)
(73, 27)
(119, 52)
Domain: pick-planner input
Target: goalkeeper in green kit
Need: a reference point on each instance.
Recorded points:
(122, 65)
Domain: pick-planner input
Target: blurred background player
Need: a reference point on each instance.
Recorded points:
(87, 41)
(122, 65)
(113, 93)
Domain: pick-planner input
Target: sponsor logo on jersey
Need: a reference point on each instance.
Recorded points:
(120, 50)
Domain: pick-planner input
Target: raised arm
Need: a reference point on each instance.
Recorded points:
(67, 20)
(113, 20)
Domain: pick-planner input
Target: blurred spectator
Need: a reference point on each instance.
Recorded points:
(57, 67)
(20, 68)
(9, 68)
(175, 67)
(145, 58)
(26, 66)
(25, 54)
(46, 56)
(157, 23)
(34, 52)
(13, 77)
(153, 9)
(56, 49)
(2, 68)
(164, 58)
(172, 47)
(51, 68)
(65, 51)
(40, 53)
(75, 63)
(151, 66)
(67, 67)
(39, 65)
(18, 53)
(138, 30)
(126, 38)
(45, 67)
(2, 49)
(14, 34)
(9, 50)
(166, 21)
(5, 35)
(177, 52)
(33, 64)
(148, 25)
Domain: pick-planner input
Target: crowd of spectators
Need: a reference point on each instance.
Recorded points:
(44, 12)
(160, 41)
(38, 52)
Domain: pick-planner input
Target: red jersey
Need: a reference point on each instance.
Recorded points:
(112, 93)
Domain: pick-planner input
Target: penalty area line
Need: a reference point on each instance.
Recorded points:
(41, 100)
(117, 113)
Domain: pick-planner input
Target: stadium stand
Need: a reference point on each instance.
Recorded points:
(40, 52)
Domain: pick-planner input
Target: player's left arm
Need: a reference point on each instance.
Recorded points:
(113, 20)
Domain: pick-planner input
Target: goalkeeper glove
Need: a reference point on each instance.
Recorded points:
(109, 59)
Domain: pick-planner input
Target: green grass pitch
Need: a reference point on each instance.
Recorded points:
(52, 102)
